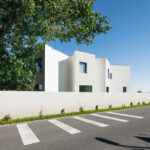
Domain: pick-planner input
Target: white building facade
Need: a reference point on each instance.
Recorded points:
(81, 72)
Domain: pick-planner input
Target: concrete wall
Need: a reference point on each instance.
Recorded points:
(23, 104)
(83, 78)
(100, 75)
(64, 75)
(120, 78)
(52, 59)
(107, 80)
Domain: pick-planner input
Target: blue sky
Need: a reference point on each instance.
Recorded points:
(127, 43)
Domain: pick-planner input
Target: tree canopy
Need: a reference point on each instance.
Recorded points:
(24, 22)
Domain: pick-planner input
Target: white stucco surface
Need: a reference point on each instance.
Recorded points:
(23, 104)
(62, 73)
(52, 59)
(120, 78)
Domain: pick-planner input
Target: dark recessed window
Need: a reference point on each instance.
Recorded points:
(39, 65)
(124, 89)
(107, 89)
(83, 67)
(38, 87)
(85, 88)
(110, 76)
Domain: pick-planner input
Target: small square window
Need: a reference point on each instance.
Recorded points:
(107, 89)
(83, 67)
(40, 87)
(124, 89)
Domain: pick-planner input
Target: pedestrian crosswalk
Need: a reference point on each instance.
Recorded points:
(126, 115)
(64, 126)
(28, 136)
(90, 121)
(111, 118)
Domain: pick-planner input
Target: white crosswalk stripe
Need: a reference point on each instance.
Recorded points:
(26, 134)
(111, 118)
(126, 115)
(90, 121)
(64, 126)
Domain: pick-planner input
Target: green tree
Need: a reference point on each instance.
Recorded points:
(24, 22)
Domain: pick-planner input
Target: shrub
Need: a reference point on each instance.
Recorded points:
(138, 103)
(6, 118)
(81, 109)
(149, 102)
(110, 106)
(96, 107)
(123, 105)
(143, 103)
(63, 111)
(131, 104)
(41, 113)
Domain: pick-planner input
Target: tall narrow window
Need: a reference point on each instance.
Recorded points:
(124, 89)
(107, 89)
(108, 73)
(110, 76)
(39, 65)
(83, 67)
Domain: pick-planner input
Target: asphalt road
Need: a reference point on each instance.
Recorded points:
(85, 132)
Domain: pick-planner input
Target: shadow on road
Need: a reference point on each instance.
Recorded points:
(145, 139)
(120, 145)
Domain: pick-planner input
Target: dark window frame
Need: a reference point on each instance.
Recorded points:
(107, 89)
(83, 63)
(39, 64)
(85, 87)
(124, 89)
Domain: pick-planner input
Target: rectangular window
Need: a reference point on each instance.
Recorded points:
(38, 87)
(83, 67)
(110, 76)
(85, 88)
(107, 89)
(108, 73)
(39, 65)
(124, 89)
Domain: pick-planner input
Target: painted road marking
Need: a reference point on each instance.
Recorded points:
(126, 115)
(65, 127)
(90, 121)
(26, 134)
(107, 117)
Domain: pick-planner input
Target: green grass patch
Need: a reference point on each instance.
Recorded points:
(3, 122)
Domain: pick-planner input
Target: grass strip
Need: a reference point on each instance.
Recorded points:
(3, 122)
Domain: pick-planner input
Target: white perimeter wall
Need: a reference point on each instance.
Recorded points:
(23, 104)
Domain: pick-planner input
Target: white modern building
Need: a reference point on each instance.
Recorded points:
(81, 72)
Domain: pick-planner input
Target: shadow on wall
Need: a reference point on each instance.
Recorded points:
(112, 143)
(62, 76)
